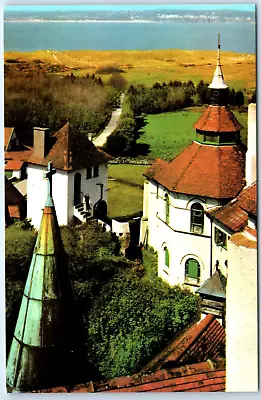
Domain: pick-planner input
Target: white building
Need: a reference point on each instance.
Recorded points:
(199, 213)
(80, 182)
(177, 195)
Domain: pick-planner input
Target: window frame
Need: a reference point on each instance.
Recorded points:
(220, 238)
(192, 279)
(197, 226)
(89, 173)
(95, 171)
(166, 260)
(167, 208)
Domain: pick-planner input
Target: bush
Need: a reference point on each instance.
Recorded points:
(133, 319)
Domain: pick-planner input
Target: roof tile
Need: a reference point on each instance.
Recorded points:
(203, 170)
(234, 215)
(218, 119)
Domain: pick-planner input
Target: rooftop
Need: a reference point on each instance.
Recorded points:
(190, 363)
(202, 170)
(213, 287)
(218, 119)
(71, 152)
(234, 215)
(200, 377)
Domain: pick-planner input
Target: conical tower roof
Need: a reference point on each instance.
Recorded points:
(43, 349)
(218, 81)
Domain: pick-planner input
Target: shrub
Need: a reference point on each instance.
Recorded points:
(133, 319)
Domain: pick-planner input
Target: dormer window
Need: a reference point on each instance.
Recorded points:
(197, 218)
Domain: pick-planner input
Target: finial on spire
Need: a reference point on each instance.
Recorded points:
(218, 79)
(48, 175)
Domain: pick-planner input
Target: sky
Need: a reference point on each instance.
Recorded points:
(124, 7)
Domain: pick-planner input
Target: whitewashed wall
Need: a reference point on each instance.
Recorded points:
(63, 192)
(241, 321)
(88, 186)
(176, 235)
(37, 194)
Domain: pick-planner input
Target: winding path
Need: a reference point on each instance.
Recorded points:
(115, 116)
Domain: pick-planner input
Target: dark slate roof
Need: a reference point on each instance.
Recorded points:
(71, 152)
(213, 286)
(218, 119)
(234, 215)
(200, 377)
(203, 170)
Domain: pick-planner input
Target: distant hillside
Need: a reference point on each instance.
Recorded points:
(141, 67)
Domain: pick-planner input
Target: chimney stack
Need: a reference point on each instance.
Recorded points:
(40, 142)
(251, 145)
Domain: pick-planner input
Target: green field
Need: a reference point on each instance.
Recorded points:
(125, 189)
(169, 133)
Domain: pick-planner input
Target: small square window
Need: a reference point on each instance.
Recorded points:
(96, 171)
(89, 173)
(220, 238)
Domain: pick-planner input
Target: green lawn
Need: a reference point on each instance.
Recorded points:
(169, 133)
(123, 199)
(127, 173)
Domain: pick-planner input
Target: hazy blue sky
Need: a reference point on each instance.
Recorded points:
(238, 7)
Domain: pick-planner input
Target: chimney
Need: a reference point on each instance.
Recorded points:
(90, 135)
(251, 145)
(40, 142)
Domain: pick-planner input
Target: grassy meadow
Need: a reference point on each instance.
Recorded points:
(125, 189)
(148, 67)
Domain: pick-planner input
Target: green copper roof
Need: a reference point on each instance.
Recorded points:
(44, 343)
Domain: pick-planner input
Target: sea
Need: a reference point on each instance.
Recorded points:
(27, 36)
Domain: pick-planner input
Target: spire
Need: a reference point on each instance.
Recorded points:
(43, 351)
(218, 79)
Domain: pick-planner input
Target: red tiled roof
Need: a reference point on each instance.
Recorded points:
(218, 119)
(244, 240)
(71, 152)
(19, 155)
(202, 341)
(203, 170)
(198, 377)
(234, 215)
(14, 212)
(7, 136)
(13, 165)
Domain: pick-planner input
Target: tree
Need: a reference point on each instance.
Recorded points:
(239, 98)
(117, 81)
(133, 319)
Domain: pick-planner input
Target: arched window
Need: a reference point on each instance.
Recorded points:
(192, 271)
(197, 218)
(166, 257)
(167, 208)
